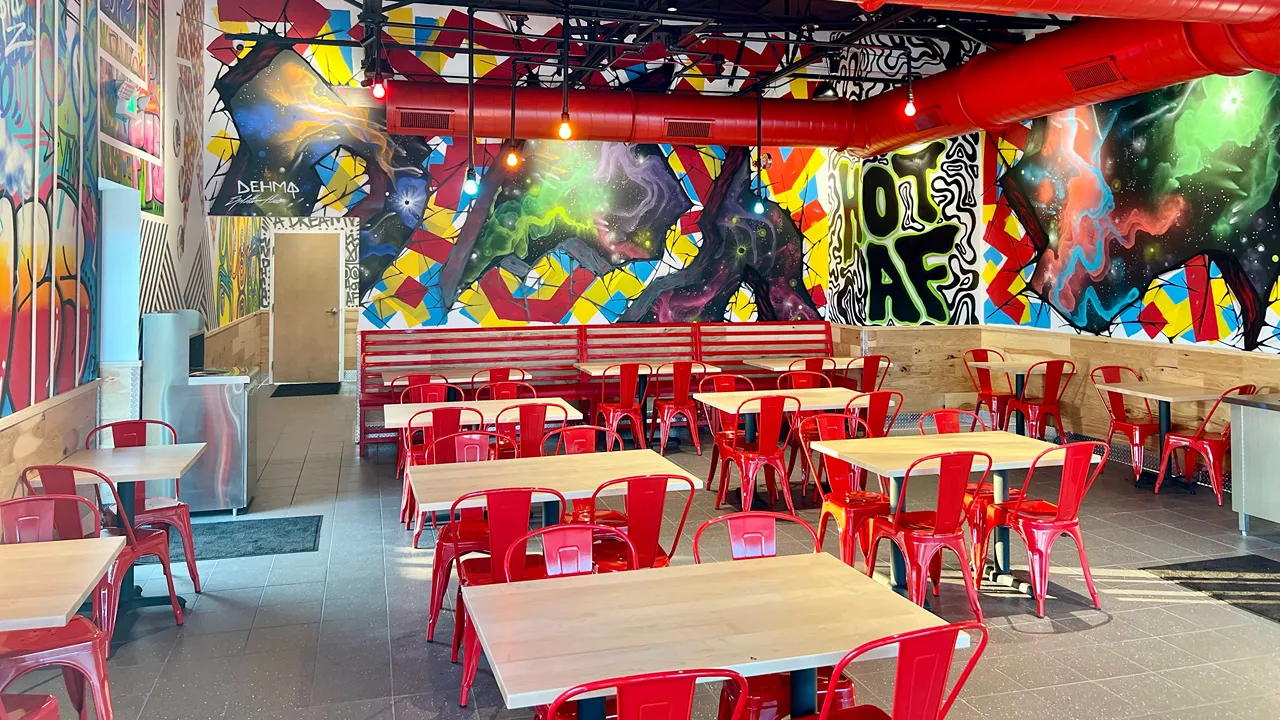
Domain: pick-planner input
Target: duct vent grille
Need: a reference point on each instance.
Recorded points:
(698, 129)
(930, 118)
(426, 119)
(1093, 74)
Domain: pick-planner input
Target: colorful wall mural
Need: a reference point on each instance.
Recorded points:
(131, 63)
(242, 247)
(582, 232)
(1155, 217)
(48, 199)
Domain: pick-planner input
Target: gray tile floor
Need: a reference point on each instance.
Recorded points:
(339, 633)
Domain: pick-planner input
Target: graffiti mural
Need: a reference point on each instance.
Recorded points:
(580, 233)
(242, 248)
(1155, 216)
(48, 225)
(907, 234)
(131, 64)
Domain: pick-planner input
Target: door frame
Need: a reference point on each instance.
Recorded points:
(341, 302)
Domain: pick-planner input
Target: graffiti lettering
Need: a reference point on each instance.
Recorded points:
(905, 277)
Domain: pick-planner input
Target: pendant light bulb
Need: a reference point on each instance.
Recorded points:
(471, 185)
(910, 108)
(379, 89)
(513, 158)
(565, 130)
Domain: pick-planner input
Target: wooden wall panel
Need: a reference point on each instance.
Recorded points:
(245, 342)
(46, 432)
(928, 368)
(350, 339)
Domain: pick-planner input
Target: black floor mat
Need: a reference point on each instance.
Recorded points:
(306, 389)
(1249, 582)
(248, 538)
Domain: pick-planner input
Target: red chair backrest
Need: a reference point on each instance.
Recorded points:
(770, 411)
(496, 375)
(411, 379)
(681, 378)
(875, 368)
(724, 382)
(880, 412)
(658, 696)
(577, 439)
(61, 480)
(1078, 474)
(953, 470)
(427, 425)
(1056, 377)
(646, 499)
(466, 446)
(429, 393)
(818, 365)
(1246, 389)
(947, 421)
(506, 511)
(527, 423)
(628, 375)
(922, 669)
(133, 433)
(1114, 401)
(981, 377)
(506, 390)
(566, 549)
(800, 379)
(43, 518)
(842, 476)
(752, 533)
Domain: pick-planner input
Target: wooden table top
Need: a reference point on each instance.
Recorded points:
(1162, 390)
(576, 476)
(890, 456)
(453, 375)
(45, 583)
(396, 416)
(597, 369)
(771, 615)
(810, 398)
(1016, 364)
(137, 464)
(783, 364)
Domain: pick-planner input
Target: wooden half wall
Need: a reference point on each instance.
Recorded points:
(928, 366)
(245, 342)
(46, 432)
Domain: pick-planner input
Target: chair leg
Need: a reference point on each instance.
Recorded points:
(691, 419)
(168, 576)
(1084, 565)
(74, 680)
(970, 582)
(470, 661)
(1164, 464)
(715, 457)
(869, 559)
(189, 548)
(722, 492)
(824, 518)
(91, 665)
(1215, 463)
(441, 569)
(1039, 545)
(459, 626)
(786, 490)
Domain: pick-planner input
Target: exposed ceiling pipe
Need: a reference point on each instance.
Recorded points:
(1216, 11)
(430, 109)
(1090, 62)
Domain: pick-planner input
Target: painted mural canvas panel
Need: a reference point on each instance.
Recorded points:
(131, 65)
(1156, 216)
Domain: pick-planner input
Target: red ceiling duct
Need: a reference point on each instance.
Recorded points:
(1089, 62)
(1219, 11)
(617, 116)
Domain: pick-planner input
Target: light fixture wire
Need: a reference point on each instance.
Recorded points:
(471, 92)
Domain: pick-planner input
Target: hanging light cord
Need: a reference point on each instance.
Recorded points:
(760, 141)
(471, 89)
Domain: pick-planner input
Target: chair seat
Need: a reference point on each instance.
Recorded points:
(1144, 425)
(16, 643)
(148, 538)
(917, 521)
(469, 531)
(659, 404)
(475, 571)
(1032, 509)
(157, 504)
(584, 513)
(30, 707)
(860, 499)
(988, 491)
(1186, 434)
(611, 556)
(613, 407)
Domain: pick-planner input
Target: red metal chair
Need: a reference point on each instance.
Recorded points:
(429, 393)
(139, 542)
(680, 404)
(28, 707)
(802, 379)
(996, 395)
(411, 379)
(416, 439)
(946, 421)
(848, 502)
(765, 453)
(922, 534)
(723, 426)
(752, 533)
(152, 511)
(467, 533)
(880, 412)
(77, 646)
(654, 696)
(820, 365)
(506, 390)
(577, 439)
(628, 406)
(798, 379)
(1135, 429)
(920, 677)
(527, 425)
(1040, 523)
(505, 514)
(870, 377)
(1211, 446)
(1056, 376)
(645, 501)
(495, 375)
